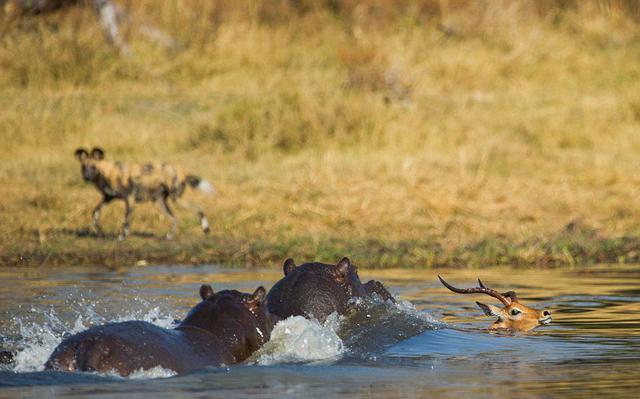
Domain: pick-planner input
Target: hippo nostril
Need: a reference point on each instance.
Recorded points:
(546, 313)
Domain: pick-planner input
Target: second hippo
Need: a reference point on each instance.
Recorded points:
(316, 290)
(225, 328)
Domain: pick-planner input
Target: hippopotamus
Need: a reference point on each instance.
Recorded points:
(316, 290)
(224, 328)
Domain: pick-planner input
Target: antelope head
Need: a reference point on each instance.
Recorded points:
(513, 316)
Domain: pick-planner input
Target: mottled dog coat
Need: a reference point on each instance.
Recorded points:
(146, 182)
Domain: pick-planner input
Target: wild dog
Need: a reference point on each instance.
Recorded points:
(139, 183)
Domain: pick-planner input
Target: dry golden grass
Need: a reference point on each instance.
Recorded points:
(399, 138)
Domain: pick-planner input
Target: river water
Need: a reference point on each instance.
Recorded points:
(433, 344)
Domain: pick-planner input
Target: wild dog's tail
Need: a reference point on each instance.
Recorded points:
(200, 184)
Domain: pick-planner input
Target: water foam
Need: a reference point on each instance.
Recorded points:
(152, 373)
(39, 339)
(300, 340)
(141, 374)
(407, 308)
(375, 304)
(377, 324)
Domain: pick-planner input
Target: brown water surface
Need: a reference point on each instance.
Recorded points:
(439, 349)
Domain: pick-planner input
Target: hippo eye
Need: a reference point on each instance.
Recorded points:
(515, 312)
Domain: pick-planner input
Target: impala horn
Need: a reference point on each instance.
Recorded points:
(506, 298)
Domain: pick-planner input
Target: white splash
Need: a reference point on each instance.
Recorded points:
(296, 340)
(39, 339)
(156, 372)
(409, 309)
(140, 374)
(152, 316)
(402, 307)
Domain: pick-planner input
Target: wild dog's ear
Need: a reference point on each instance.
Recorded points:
(489, 310)
(342, 268)
(97, 153)
(259, 294)
(206, 291)
(81, 154)
(289, 266)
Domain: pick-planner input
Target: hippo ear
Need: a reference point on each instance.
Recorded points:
(206, 291)
(259, 294)
(97, 153)
(342, 268)
(344, 265)
(81, 154)
(289, 266)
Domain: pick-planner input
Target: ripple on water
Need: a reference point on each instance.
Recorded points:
(591, 349)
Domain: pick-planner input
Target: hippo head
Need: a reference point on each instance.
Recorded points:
(315, 290)
(230, 313)
(343, 274)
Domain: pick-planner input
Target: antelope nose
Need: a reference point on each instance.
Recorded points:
(546, 317)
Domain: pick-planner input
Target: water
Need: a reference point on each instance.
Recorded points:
(432, 344)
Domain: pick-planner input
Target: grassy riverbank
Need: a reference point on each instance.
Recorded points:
(420, 139)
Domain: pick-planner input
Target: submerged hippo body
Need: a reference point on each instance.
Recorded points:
(377, 288)
(315, 290)
(225, 328)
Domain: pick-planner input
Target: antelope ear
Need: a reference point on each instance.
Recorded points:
(511, 296)
(259, 294)
(97, 153)
(489, 310)
(289, 266)
(81, 154)
(206, 291)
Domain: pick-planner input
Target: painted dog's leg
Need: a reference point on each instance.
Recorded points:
(96, 214)
(174, 221)
(127, 219)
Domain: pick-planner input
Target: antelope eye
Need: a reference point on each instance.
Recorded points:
(515, 312)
